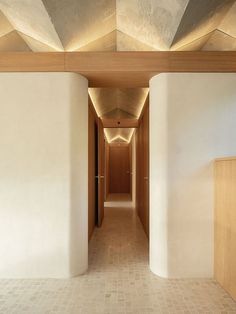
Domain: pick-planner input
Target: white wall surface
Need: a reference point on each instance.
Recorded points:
(192, 121)
(39, 173)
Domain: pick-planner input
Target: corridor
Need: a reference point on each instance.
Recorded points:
(118, 281)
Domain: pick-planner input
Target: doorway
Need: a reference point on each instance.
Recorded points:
(122, 163)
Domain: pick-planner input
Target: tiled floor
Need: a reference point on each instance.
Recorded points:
(118, 200)
(118, 281)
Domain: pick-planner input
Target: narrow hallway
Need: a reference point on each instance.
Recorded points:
(118, 281)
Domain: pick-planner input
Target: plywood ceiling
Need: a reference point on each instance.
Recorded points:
(123, 103)
(118, 102)
(117, 25)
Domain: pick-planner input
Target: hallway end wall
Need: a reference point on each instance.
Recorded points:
(192, 121)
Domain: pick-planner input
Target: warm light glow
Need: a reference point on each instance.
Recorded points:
(119, 137)
(143, 98)
(131, 135)
(93, 98)
(107, 136)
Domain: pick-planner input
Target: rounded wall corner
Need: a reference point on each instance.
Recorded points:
(158, 273)
(81, 271)
(156, 76)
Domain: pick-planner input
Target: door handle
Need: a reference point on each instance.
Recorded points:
(99, 177)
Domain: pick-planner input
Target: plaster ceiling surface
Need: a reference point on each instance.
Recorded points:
(13, 41)
(151, 22)
(129, 100)
(119, 25)
(79, 22)
(31, 18)
(5, 25)
(220, 40)
(228, 24)
(200, 18)
(118, 103)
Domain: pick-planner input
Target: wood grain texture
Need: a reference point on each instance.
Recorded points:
(119, 69)
(101, 173)
(107, 174)
(119, 168)
(91, 170)
(32, 62)
(225, 224)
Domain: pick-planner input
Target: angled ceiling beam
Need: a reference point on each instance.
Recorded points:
(120, 123)
(119, 69)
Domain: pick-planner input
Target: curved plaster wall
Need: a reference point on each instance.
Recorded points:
(43, 181)
(192, 121)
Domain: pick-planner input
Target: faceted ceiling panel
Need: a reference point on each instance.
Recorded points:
(152, 22)
(32, 19)
(13, 42)
(220, 40)
(79, 22)
(5, 25)
(118, 25)
(200, 18)
(118, 103)
(228, 24)
(129, 100)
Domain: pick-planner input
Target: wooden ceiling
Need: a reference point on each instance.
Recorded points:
(118, 102)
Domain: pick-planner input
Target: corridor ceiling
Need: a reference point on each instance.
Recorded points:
(122, 103)
(117, 25)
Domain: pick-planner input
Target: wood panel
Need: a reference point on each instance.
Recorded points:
(107, 173)
(142, 173)
(91, 170)
(101, 172)
(119, 69)
(119, 168)
(32, 62)
(225, 224)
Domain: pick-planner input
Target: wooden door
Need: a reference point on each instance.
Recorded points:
(119, 168)
(101, 173)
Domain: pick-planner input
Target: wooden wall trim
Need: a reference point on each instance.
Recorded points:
(128, 69)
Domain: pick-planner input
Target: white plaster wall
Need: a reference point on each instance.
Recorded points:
(79, 175)
(192, 121)
(37, 201)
